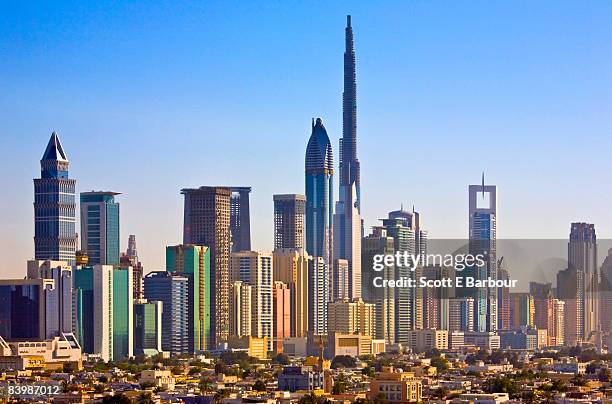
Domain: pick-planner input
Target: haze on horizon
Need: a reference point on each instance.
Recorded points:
(149, 99)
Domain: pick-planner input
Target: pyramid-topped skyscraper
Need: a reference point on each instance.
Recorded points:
(54, 206)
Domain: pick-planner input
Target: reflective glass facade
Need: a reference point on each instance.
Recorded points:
(21, 309)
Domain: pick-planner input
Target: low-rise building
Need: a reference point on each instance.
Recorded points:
(424, 340)
(297, 378)
(48, 354)
(158, 378)
(395, 386)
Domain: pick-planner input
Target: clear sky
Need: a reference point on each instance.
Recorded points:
(151, 97)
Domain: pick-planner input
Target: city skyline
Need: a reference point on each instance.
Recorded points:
(440, 221)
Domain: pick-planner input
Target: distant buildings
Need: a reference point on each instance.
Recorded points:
(54, 207)
(522, 310)
(461, 314)
(172, 289)
(130, 258)
(207, 223)
(100, 227)
(289, 213)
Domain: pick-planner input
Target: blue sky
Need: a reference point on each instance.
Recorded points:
(150, 97)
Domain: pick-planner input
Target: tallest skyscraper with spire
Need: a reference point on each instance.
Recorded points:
(347, 219)
(54, 207)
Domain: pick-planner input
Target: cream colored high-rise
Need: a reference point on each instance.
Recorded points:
(255, 268)
(291, 267)
(240, 309)
(352, 317)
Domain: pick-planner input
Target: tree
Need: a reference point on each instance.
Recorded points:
(440, 363)
(145, 398)
(220, 395)
(259, 385)
(116, 399)
(343, 361)
(340, 384)
(281, 359)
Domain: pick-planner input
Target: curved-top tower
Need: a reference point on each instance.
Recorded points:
(319, 193)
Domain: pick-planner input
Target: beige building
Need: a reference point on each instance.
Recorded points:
(46, 354)
(556, 330)
(158, 378)
(291, 267)
(424, 340)
(349, 344)
(396, 386)
(255, 269)
(240, 309)
(352, 317)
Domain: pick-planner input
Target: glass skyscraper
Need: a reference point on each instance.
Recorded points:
(100, 227)
(22, 308)
(147, 327)
(54, 207)
(319, 193)
(172, 289)
(123, 313)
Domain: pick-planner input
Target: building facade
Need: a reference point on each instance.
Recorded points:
(289, 214)
(54, 207)
(240, 219)
(291, 268)
(100, 227)
(207, 223)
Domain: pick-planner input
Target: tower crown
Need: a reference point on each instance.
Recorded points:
(54, 163)
(319, 156)
(54, 150)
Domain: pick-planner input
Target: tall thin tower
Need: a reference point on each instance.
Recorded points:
(347, 219)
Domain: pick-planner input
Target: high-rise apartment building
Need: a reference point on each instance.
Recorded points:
(461, 314)
(483, 241)
(100, 227)
(193, 261)
(59, 298)
(570, 289)
(240, 219)
(352, 317)
(340, 278)
(503, 297)
(54, 207)
(172, 289)
(207, 223)
(379, 243)
(291, 268)
(605, 293)
(405, 228)
(582, 257)
(289, 213)
(318, 295)
(281, 317)
(256, 269)
(241, 305)
(522, 310)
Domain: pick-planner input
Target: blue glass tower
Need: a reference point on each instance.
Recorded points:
(319, 193)
(54, 207)
(100, 227)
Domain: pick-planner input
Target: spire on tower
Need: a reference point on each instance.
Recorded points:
(54, 150)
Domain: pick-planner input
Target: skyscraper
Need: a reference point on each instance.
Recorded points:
(347, 220)
(319, 193)
(291, 268)
(130, 258)
(318, 295)
(193, 261)
(255, 268)
(59, 298)
(240, 309)
(240, 221)
(281, 315)
(100, 227)
(93, 299)
(123, 313)
(23, 307)
(54, 207)
(379, 243)
(405, 228)
(207, 223)
(147, 327)
(483, 240)
(289, 213)
(172, 289)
